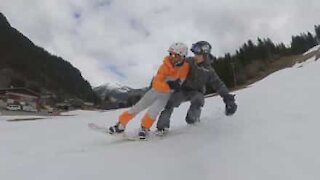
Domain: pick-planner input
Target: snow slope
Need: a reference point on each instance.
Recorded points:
(274, 135)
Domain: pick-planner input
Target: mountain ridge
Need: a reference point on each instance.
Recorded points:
(24, 64)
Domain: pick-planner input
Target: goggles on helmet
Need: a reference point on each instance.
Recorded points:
(198, 49)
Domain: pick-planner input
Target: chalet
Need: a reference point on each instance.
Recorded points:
(21, 96)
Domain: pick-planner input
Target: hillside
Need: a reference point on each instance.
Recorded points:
(24, 64)
(282, 63)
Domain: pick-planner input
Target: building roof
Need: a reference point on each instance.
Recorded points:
(19, 90)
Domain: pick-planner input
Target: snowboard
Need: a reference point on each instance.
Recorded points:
(125, 135)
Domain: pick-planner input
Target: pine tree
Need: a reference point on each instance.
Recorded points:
(317, 31)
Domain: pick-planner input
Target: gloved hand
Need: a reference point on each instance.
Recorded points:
(175, 85)
(231, 106)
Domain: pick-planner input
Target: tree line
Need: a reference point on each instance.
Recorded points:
(254, 58)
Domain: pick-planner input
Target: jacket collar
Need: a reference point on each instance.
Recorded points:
(167, 62)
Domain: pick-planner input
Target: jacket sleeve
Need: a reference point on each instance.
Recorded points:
(217, 83)
(159, 81)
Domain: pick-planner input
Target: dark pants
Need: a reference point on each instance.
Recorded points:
(196, 99)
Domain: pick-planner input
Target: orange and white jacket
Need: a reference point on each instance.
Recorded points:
(168, 72)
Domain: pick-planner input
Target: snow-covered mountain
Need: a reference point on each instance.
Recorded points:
(117, 91)
(273, 135)
(115, 86)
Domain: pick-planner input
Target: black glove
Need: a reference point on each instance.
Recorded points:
(231, 106)
(175, 85)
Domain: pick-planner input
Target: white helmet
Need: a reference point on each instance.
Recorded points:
(179, 48)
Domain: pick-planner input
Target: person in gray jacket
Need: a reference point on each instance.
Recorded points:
(193, 88)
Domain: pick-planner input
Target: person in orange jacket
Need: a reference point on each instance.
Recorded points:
(169, 77)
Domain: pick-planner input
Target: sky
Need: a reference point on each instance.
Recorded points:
(125, 41)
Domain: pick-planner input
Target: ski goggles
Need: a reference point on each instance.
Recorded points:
(174, 55)
(196, 49)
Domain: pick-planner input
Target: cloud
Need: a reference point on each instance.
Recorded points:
(125, 41)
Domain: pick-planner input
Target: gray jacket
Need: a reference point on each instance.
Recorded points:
(202, 74)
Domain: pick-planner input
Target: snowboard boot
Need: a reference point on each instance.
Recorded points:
(161, 132)
(118, 128)
(143, 133)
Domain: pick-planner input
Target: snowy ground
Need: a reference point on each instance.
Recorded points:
(274, 135)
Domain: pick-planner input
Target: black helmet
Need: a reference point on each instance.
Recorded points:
(201, 47)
